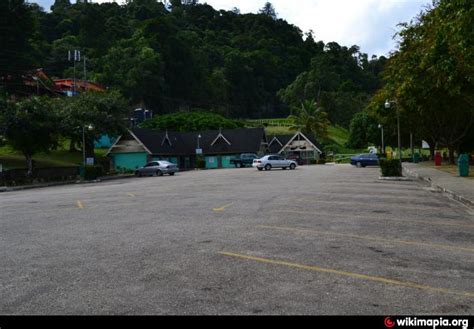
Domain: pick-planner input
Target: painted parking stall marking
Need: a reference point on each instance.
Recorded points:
(79, 204)
(353, 275)
(223, 208)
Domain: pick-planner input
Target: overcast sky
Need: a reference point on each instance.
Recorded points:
(369, 24)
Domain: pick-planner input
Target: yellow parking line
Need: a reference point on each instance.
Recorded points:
(220, 209)
(350, 274)
(373, 218)
(79, 204)
(131, 195)
(369, 238)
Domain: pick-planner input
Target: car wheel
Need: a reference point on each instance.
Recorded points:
(292, 166)
(268, 167)
(359, 165)
(159, 173)
(284, 168)
(171, 173)
(138, 174)
(260, 169)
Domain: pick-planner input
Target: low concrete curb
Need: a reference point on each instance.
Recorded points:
(29, 187)
(451, 194)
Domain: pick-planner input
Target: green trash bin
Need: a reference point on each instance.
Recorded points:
(463, 165)
(416, 157)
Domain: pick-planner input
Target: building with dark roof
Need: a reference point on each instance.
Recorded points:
(302, 147)
(218, 147)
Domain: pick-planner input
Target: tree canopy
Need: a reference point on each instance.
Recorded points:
(191, 121)
(172, 56)
(431, 76)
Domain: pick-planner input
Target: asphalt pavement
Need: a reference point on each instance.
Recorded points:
(317, 240)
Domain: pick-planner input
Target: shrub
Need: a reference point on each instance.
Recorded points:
(322, 161)
(313, 161)
(391, 167)
(93, 172)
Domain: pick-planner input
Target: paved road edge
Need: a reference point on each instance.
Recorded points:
(454, 195)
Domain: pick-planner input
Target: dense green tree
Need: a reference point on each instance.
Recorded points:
(268, 10)
(127, 65)
(17, 26)
(363, 131)
(191, 121)
(430, 76)
(310, 118)
(193, 56)
(105, 112)
(341, 79)
(31, 126)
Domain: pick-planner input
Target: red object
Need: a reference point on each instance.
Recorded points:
(438, 158)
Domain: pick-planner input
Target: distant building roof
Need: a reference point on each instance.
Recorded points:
(278, 142)
(225, 141)
(80, 85)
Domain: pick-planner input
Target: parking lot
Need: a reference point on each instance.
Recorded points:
(316, 240)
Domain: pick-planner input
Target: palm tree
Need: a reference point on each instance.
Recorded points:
(309, 118)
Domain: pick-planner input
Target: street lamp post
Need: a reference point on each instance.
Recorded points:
(388, 105)
(383, 145)
(89, 127)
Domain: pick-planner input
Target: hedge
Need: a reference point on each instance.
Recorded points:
(390, 167)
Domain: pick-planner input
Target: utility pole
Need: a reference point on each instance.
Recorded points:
(75, 57)
(85, 75)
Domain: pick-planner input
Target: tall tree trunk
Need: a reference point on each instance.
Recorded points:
(29, 163)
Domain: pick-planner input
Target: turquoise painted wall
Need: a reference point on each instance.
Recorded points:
(104, 141)
(226, 161)
(211, 162)
(129, 160)
(173, 160)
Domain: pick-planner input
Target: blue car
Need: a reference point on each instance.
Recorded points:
(363, 160)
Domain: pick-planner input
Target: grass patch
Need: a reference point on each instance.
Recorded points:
(10, 159)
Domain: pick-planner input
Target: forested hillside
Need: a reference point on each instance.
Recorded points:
(182, 56)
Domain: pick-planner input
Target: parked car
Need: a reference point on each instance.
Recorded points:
(245, 159)
(158, 168)
(366, 159)
(269, 162)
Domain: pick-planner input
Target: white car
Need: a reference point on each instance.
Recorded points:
(158, 168)
(269, 162)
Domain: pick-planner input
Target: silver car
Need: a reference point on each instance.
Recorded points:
(269, 162)
(158, 168)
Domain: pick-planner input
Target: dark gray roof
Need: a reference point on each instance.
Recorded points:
(275, 147)
(242, 140)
